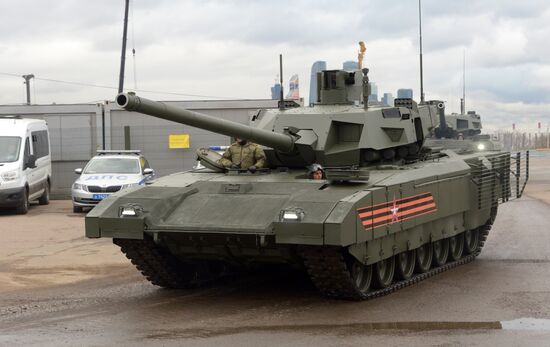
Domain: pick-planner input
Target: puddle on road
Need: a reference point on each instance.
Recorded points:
(532, 324)
(526, 324)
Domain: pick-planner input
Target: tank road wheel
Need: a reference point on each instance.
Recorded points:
(362, 276)
(441, 252)
(471, 241)
(383, 272)
(405, 262)
(456, 247)
(424, 255)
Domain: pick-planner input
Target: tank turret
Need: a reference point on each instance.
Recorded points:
(452, 126)
(460, 132)
(340, 130)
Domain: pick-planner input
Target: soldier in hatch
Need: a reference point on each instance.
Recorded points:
(316, 172)
(244, 155)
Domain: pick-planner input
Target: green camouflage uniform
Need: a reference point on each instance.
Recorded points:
(244, 156)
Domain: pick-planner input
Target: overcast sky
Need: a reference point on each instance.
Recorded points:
(229, 49)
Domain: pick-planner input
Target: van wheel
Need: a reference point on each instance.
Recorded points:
(77, 209)
(45, 198)
(23, 208)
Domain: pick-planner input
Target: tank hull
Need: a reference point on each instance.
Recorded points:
(201, 217)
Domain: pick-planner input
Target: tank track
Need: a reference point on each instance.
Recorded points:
(329, 272)
(160, 267)
(326, 267)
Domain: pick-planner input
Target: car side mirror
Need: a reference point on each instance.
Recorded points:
(148, 171)
(31, 162)
(78, 171)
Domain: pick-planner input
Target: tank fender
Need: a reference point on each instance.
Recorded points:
(341, 226)
(151, 205)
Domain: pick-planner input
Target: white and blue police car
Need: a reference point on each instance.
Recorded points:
(107, 173)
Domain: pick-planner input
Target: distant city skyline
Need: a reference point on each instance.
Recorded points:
(316, 67)
(405, 93)
(276, 91)
(373, 97)
(388, 99)
(350, 65)
(293, 88)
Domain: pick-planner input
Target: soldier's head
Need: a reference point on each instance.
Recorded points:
(316, 172)
(240, 141)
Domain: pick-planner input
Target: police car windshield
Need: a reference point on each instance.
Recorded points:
(112, 165)
(9, 148)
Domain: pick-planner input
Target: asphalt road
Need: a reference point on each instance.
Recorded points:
(58, 288)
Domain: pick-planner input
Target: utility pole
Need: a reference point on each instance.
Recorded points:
(27, 79)
(123, 55)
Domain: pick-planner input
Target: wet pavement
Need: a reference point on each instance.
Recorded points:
(58, 288)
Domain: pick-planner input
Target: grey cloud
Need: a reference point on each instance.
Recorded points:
(508, 85)
(202, 47)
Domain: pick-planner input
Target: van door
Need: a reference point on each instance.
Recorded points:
(29, 173)
(41, 151)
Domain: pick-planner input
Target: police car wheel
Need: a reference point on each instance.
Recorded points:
(77, 209)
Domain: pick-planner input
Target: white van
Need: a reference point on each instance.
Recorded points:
(25, 162)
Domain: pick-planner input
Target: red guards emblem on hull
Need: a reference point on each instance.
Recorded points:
(396, 210)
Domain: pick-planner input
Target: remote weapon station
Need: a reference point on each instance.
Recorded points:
(388, 212)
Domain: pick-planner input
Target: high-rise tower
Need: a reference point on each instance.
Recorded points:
(318, 66)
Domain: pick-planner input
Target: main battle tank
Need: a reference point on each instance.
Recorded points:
(390, 212)
(460, 132)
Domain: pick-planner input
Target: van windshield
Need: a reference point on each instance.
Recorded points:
(112, 165)
(9, 148)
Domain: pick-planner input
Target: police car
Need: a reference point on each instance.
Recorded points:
(107, 173)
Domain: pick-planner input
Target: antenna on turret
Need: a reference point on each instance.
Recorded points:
(281, 97)
(463, 100)
(421, 71)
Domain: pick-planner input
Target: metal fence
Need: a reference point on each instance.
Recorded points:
(514, 141)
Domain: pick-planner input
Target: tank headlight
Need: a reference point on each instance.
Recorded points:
(130, 210)
(481, 147)
(292, 215)
(10, 175)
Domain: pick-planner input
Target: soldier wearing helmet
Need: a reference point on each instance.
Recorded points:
(316, 172)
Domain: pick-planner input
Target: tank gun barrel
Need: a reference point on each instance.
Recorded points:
(131, 102)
